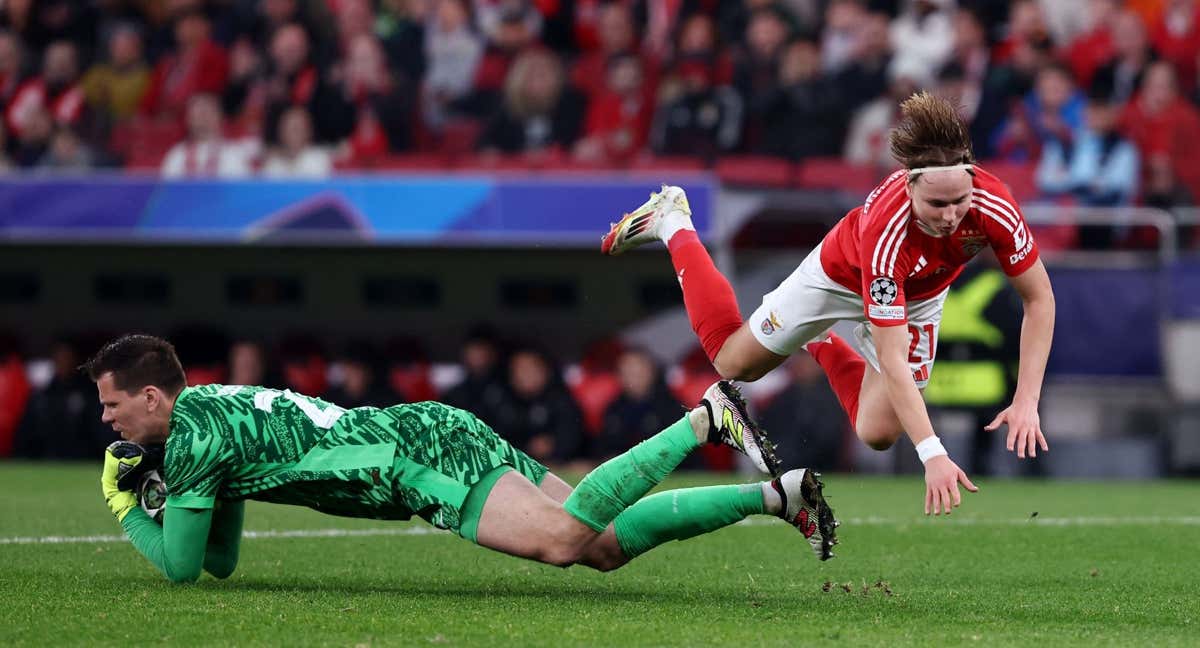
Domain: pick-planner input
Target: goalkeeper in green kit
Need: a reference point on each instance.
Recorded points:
(225, 444)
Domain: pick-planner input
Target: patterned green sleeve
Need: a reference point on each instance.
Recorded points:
(194, 466)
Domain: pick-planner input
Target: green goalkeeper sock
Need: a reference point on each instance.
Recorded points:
(624, 479)
(684, 513)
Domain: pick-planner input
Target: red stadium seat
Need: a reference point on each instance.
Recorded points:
(665, 163)
(459, 136)
(433, 162)
(14, 395)
(594, 391)
(756, 171)
(1019, 176)
(836, 173)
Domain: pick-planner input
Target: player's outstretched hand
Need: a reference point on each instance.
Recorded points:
(1024, 428)
(942, 477)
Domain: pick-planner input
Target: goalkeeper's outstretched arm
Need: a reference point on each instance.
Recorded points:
(224, 538)
(177, 547)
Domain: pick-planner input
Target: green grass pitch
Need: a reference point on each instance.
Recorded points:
(1100, 564)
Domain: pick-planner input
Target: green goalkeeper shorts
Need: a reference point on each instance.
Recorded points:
(448, 461)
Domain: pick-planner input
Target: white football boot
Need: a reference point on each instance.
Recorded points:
(644, 224)
(804, 507)
(730, 424)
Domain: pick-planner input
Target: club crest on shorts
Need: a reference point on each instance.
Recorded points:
(883, 290)
(770, 323)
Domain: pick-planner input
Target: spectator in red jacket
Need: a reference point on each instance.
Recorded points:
(56, 91)
(376, 104)
(618, 118)
(1093, 48)
(698, 42)
(616, 35)
(1176, 37)
(1165, 128)
(197, 66)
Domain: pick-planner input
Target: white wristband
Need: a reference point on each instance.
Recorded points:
(929, 448)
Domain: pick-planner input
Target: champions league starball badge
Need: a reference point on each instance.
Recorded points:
(883, 290)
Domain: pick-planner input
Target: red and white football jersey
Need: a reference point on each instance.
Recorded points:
(880, 253)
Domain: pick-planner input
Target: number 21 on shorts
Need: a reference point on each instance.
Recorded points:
(914, 342)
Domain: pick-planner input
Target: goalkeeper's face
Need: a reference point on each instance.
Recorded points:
(140, 415)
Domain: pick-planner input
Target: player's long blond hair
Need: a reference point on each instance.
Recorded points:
(930, 133)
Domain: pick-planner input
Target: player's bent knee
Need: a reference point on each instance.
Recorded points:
(221, 570)
(733, 370)
(560, 555)
(878, 439)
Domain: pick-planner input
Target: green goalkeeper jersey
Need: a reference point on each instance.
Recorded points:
(234, 442)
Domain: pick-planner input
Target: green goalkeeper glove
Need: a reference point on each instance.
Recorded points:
(124, 462)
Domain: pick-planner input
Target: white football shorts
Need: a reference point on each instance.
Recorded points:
(808, 303)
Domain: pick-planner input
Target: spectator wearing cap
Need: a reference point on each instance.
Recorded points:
(196, 65)
(539, 112)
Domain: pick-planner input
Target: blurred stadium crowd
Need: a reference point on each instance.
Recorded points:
(598, 407)
(1088, 101)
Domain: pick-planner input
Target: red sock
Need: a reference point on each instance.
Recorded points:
(844, 368)
(711, 306)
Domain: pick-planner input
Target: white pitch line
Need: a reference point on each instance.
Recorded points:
(271, 534)
(251, 535)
